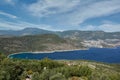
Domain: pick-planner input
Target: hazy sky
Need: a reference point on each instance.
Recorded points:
(60, 14)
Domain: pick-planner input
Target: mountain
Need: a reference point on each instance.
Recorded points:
(72, 34)
(89, 39)
(26, 31)
(34, 43)
(89, 35)
(79, 39)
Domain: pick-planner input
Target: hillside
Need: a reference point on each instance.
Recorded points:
(93, 38)
(73, 34)
(20, 69)
(90, 35)
(45, 42)
(34, 39)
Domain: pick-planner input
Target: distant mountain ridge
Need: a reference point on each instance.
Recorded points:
(40, 40)
(26, 31)
(72, 34)
(49, 42)
(90, 35)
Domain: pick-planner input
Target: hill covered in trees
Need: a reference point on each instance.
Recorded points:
(33, 43)
(46, 69)
(74, 39)
(53, 42)
(35, 40)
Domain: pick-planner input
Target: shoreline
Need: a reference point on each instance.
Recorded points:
(50, 52)
(57, 51)
(46, 52)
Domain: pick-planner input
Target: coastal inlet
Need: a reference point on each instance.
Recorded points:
(108, 55)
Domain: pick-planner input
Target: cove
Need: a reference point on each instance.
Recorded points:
(108, 55)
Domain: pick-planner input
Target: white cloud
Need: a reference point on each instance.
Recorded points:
(67, 13)
(110, 27)
(97, 9)
(50, 7)
(8, 15)
(21, 25)
(74, 12)
(88, 28)
(107, 27)
(10, 2)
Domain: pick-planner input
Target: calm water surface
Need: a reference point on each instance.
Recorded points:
(109, 55)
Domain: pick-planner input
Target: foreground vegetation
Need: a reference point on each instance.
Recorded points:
(46, 69)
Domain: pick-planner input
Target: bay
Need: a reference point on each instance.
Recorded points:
(108, 55)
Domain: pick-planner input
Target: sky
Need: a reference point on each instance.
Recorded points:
(60, 15)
